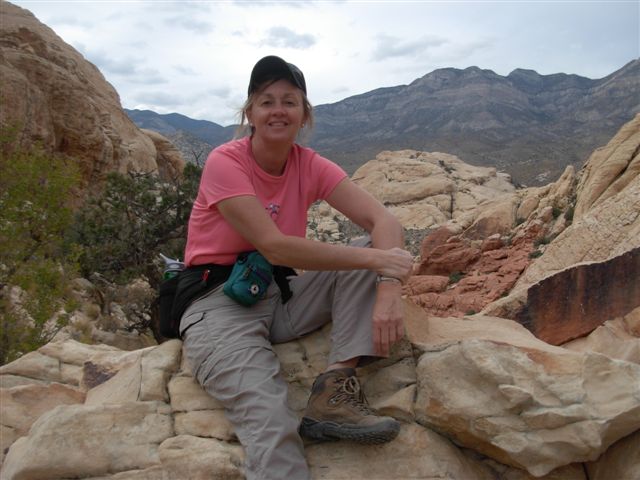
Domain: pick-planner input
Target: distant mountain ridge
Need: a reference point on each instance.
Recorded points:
(529, 125)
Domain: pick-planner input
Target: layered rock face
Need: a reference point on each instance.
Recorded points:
(606, 225)
(56, 98)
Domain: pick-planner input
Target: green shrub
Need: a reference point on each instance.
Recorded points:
(122, 230)
(568, 215)
(455, 277)
(35, 211)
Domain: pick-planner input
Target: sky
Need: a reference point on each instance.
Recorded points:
(195, 57)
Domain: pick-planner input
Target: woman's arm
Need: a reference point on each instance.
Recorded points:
(363, 209)
(386, 232)
(246, 215)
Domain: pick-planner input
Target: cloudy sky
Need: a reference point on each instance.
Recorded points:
(194, 57)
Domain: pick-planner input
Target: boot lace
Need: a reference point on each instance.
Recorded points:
(350, 392)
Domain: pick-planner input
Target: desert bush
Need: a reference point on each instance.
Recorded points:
(122, 230)
(36, 266)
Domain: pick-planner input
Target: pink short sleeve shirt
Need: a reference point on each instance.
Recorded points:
(231, 171)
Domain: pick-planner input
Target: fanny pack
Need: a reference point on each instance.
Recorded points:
(251, 268)
(177, 293)
(250, 278)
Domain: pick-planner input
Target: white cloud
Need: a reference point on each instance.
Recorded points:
(287, 38)
(194, 57)
(388, 46)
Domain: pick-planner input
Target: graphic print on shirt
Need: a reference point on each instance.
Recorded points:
(273, 210)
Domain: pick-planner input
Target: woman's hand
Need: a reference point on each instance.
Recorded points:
(388, 316)
(396, 263)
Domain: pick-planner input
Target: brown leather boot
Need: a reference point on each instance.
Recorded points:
(337, 409)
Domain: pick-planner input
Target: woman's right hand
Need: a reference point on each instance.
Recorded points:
(396, 263)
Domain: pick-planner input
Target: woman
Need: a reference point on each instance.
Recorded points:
(254, 195)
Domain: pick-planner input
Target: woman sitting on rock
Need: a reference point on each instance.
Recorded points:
(253, 196)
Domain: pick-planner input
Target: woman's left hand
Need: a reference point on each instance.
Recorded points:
(388, 317)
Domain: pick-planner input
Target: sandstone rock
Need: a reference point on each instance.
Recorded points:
(418, 284)
(66, 361)
(62, 101)
(426, 189)
(478, 273)
(187, 456)
(621, 461)
(573, 302)
(22, 405)
(618, 338)
(529, 408)
(80, 441)
(497, 216)
(415, 453)
(144, 380)
(204, 423)
(608, 228)
(610, 169)
(453, 256)
(169, 159)
(611, 227)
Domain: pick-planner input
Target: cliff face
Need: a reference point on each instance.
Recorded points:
(56, 98)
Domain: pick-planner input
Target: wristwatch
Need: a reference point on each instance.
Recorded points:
(382, 278)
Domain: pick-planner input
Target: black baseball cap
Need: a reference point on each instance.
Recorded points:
(274, 68)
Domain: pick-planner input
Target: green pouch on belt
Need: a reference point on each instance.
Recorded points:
(249, 279)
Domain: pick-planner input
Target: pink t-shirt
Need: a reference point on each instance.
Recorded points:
(231, 171)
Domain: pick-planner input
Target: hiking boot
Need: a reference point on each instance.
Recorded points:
(337, 409)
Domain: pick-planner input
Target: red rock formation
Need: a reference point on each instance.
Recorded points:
(457, 277)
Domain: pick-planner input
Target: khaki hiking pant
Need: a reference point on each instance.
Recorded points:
(229, 348)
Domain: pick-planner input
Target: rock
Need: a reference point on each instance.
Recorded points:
(416, 453)
(427, 189)
(610, 169)
(453, 256)
(618, 338)
(608, 228)
(575, 301)
(81, 440)
(621, 461)
(64, 103)
(533, 409)
(186, 456)
(497, 216)
(604, 226)
(22, 405)
(418, 284)
(169, 159)
(144, 380)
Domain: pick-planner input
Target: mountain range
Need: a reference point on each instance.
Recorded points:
(526, 124)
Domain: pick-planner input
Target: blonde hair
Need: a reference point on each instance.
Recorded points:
(244, 128)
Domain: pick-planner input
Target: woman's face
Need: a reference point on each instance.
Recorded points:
(277, 113)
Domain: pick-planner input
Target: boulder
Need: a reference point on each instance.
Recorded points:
(60, 100)
(618, 338)
(534, 409)
(81, 441)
